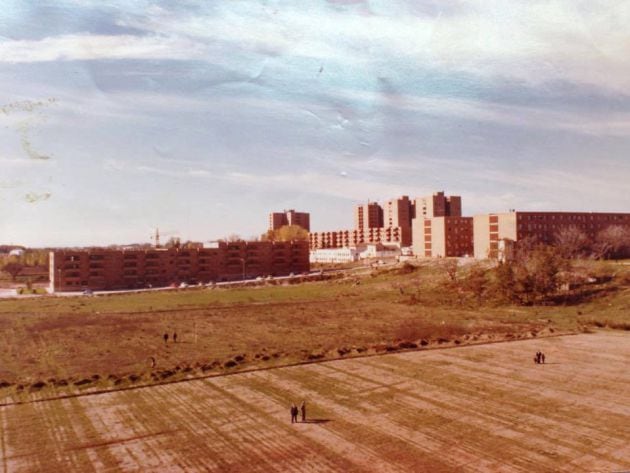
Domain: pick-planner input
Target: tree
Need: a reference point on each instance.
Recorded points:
(232, 237)
(476, 282)
(286, 233)
(13, 269)
(572, 242)
(543, 268)
(173, 242)
(612, 242)
(532, 277)
(450, 268)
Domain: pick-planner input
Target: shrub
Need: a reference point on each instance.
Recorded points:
(36, 386)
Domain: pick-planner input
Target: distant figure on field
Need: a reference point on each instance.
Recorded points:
(166, 338)
(542, 357)
(174, 337)
(294, 413)
(152, 362)
(303, 410)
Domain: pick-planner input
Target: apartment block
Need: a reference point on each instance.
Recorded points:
(368, 215)
(390, 224)
(289, 217)
(397, 213)
(443, 237)
(392, 236)
(438, 228)
(491, 229)
(438, 205)
(106, 269)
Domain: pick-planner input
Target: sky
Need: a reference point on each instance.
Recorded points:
(201, 117)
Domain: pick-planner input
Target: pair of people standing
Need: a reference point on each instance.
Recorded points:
(295, 411)
(174, 337)
(539, 358)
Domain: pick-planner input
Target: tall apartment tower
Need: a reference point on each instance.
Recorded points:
(368, 215)
(438, 205)
(290, 217)
(398, 213)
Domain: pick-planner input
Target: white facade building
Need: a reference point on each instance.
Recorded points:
(379, 251)
(334, 255)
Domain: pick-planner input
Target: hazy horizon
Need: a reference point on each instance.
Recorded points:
(200, 118)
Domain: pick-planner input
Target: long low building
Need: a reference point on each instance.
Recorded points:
(348, 238)
(107, 269)
(490, 229)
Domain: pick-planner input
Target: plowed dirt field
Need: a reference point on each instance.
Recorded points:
(477, 408)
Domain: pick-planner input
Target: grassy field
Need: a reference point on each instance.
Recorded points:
(482, 408)
(54, 345)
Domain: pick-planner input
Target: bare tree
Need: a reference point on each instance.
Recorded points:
(13, 269)
(572, 242)
(450, 267)
(612, 242)
(173, 242)
(233, 237)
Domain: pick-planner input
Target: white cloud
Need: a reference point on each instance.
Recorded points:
(76, 47)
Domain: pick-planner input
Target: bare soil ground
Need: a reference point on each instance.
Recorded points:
(482, 408)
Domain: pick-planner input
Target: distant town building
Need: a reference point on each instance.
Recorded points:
(289, 217)
(107, 269)
(490, 229)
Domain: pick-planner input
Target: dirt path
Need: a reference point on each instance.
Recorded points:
(477, 408)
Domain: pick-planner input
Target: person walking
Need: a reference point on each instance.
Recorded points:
(174, 337)
(294, 413)
(303, 410)
(166, 338)
(542, 358)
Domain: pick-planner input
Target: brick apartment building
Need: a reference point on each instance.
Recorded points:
(439, 230)
(443, 236)
(352, 238)
(368, 215)
(490, 229)
(392, 223)
(106, 269)
(289, 217)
